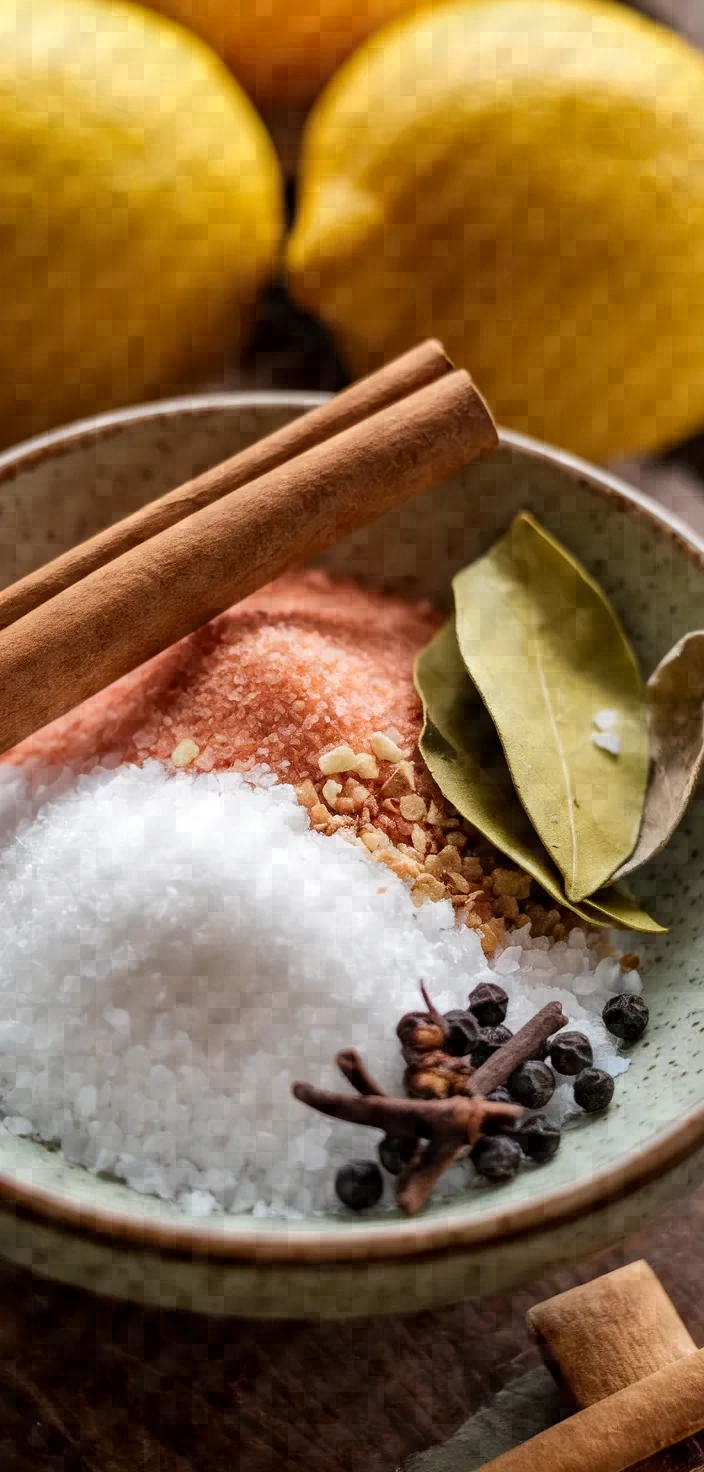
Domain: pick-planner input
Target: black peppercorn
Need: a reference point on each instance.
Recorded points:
(489, 1003)
(570, 1052)
(498, 1158)
(359, 1184)
(538, 1139)
(463, 1033)
(489, 1040)
(593, 1090)
(532, 1084)
(395, 1151)
(499, 1124)
(626, 1017)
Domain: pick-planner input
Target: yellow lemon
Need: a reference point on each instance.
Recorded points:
(139, 209)
(525, 179)
(282, 51)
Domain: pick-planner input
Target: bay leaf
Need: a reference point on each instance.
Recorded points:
(675, 708)
(544, 647)
(462, 751)
(615, 906)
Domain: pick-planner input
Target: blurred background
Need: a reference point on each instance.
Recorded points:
(286, 193)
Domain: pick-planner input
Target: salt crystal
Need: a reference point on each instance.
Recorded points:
(118, 1018)
(576, 939)
(584, 985)
(86, 1099)
(608, 741)
(607, 974)
(509, 961)
(16, 1125)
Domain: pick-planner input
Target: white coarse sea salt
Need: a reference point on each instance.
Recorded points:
(178, 950)
(608, 741)
(606, 720)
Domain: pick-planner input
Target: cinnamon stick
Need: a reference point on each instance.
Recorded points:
(609, 1333)
(522, 1046)
(129, 610)
(423, 365)
(613, 1434)
(606, 1334)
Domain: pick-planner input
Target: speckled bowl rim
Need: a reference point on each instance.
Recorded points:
(377, 1240)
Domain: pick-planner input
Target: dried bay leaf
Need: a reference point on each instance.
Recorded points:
(547, 654)
(675, 701)
(462, 751)
(616, 906)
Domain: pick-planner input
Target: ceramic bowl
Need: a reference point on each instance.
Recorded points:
(613, 1174)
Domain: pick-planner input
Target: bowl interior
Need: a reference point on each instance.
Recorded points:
(66, 486)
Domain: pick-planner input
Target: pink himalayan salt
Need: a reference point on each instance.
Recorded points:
(299, 667)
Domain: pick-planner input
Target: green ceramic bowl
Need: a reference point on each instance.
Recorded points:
(612, 1175)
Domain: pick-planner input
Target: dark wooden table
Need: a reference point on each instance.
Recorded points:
(88, 1384)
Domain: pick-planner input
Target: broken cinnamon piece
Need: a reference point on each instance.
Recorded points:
(635, 1423)
(604, 1335)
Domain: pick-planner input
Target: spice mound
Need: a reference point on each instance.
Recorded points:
(312, 680)
(302, 666)
(233, 864)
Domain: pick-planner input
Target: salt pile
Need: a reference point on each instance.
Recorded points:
(178, 950)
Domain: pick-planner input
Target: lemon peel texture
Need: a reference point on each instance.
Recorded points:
(525, 180)
(140, 209)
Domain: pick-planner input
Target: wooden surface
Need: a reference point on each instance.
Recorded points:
(86, 1384)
